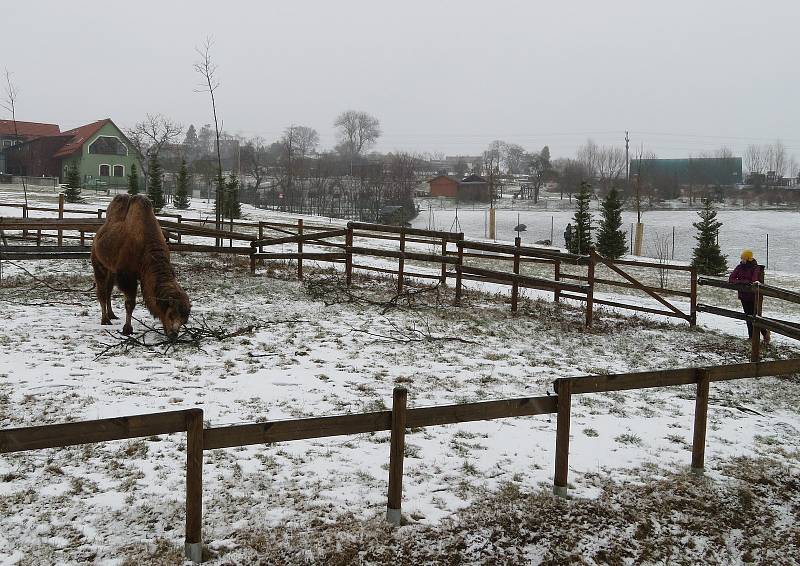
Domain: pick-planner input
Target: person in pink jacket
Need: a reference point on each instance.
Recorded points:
(748, 271)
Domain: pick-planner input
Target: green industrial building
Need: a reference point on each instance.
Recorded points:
(710, 171)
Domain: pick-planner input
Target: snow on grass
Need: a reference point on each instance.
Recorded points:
(318, 349)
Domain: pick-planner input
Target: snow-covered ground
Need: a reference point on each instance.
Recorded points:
(317, 349)
(740, 228)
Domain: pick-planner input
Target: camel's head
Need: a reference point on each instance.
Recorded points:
(174, 311)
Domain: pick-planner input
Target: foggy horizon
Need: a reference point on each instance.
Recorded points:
(449, 78)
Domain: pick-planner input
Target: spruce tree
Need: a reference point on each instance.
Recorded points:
(133, 181)
(707, 256)
(582, 238)
(219, 196)
(232, 207)
(155, 185)
(611, 241)
(181, 200)
(73, 191)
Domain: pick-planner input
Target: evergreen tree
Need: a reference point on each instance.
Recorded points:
(133, 181)
(181, 200)
(232, 207)
(582, 238)
(707, 257)
(219, 195)
(611, 241)
(73, 191)
(155, 185)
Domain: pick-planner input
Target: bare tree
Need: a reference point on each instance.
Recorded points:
(662, 249)
(10, 105)
(610, 165)
(307, 140)
(208, 70)
(755, 159)
(153, 133)
(512, 155)
(588, 155)
(358, 131)
(540, 171)
(571, 173)
(777, 158)
(254, 157)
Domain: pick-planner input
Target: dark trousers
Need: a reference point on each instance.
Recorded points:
(749, 308)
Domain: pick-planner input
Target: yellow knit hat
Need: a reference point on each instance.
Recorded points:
(747, 255)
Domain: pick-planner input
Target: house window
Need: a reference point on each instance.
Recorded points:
(119, 171)
(108, 145)
(105, 170)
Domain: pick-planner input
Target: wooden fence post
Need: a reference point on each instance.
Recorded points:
(348, 249)
(180, 218)
(443, 278)
(194, 485)
(81, 238)
(460, 244)
(755, 341)
(300, 249)
(557, 277)
(590, 290)
(515, 281)
(401, 262)
(693, 298)
(564, 392)
(260, 235)
(396, 450)
(25, 216)
(230, 238)
(700, 420)
(60, 216)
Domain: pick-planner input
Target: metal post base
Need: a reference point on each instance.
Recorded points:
(194, 551)
(560, 491)
(393, 516)
(698, 471)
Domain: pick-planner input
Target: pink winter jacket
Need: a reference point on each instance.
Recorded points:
(745, 273)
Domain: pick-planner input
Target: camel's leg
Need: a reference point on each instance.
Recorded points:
(101, 279)
(109, 293)
(128, 284)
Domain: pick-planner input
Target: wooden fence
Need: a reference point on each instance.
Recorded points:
(452, 255)
(396, 420)
(759, 290)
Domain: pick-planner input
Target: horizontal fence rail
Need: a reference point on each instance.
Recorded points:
(395, 420)
(450, 263)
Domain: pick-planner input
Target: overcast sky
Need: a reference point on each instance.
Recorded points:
(682, 76)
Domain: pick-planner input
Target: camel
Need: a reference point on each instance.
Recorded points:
(130, 248)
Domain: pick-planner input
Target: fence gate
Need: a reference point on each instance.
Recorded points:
(653, 292)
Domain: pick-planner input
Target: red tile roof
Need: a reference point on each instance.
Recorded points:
(79, 137)
(28, 130)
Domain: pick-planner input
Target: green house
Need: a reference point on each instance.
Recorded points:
(103, 154)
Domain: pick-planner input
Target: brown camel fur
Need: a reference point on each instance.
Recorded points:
(130, 248)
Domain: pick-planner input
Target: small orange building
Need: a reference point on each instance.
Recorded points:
(472, 188)
(444, 186)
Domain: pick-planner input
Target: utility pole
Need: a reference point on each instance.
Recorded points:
(627, 161)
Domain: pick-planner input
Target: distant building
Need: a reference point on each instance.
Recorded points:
(102, 153)
(717, 171)
(471, 188)
(12, 133)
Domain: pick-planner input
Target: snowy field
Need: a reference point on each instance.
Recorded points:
(473, 493)
(741, 228)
